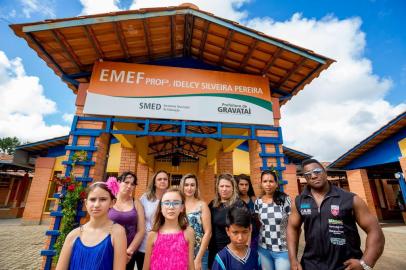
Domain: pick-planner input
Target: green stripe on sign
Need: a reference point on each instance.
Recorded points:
(254, 100)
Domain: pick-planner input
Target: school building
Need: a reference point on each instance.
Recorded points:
(15, 181)
(173, 88)
(376, 167)
(37, 199)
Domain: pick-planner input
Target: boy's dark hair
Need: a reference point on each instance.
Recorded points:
(240, 216)
(310, 161)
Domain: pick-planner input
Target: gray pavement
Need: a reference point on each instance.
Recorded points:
(20, 246)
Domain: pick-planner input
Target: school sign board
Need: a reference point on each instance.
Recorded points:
(148, 91)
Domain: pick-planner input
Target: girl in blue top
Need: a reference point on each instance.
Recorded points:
(99, 244)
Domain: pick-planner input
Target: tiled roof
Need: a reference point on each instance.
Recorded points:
(71, 46)
(374, 139)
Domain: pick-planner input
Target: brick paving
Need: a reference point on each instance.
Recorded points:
(20, 246)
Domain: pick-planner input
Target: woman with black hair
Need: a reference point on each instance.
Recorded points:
(247, 195)
(273, 210)
(129, 213)
(245, 190)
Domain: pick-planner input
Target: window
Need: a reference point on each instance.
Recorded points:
(5, 181)
(175, 180)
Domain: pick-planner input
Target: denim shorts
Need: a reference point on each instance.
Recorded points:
(273, 260)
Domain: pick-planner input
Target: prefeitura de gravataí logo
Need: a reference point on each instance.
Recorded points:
(231, 108)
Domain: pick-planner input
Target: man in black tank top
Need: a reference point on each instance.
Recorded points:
(330, 216)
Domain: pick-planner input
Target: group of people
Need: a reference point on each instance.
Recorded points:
(172, 228)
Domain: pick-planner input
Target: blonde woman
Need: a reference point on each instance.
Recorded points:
(150, 200)
(226, 196)
(198, 215)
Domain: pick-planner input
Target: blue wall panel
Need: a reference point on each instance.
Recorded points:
(386, 152)
(56, 151)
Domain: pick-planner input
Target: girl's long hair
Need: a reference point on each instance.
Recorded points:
(151, 188)
(159, 218)
(182, 185)
(279, 197)
(245, 177)
(234, 196)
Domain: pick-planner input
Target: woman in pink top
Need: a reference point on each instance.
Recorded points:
(170, 242)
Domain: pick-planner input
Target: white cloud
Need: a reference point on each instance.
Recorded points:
(99, 6)
(346, 103)
(229, 9)
(226, 8)
(23, 104)
(68, 117)
(43, 7)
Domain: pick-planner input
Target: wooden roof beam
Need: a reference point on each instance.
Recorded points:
(291, 72)
(204, 38)
(226, 47)
(93, 40)
(60, 39)
(158, 128)
(52, 60)
(187, 44)
(163, 147)
(47, 55)
(148, 41)
(303, 82)
(173, 36)
(120, 36)
(271, 61)
(183, 151)
(195, 143)
(280, 92)
(247, 56)
(161, 142)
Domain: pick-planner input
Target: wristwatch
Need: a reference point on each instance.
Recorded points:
(364, 265)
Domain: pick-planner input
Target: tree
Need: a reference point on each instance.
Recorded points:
(8, 144)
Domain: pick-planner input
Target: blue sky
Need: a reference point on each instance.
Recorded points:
(382, 22)
(369, 42)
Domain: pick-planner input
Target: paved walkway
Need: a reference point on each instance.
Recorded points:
(20, 246)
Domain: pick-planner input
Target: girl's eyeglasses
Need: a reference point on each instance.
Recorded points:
(174, 204)
(316, 172)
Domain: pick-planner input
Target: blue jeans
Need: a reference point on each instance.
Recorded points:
(205, 259)
(272, 260)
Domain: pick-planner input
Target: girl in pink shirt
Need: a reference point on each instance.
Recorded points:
(170, 243)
